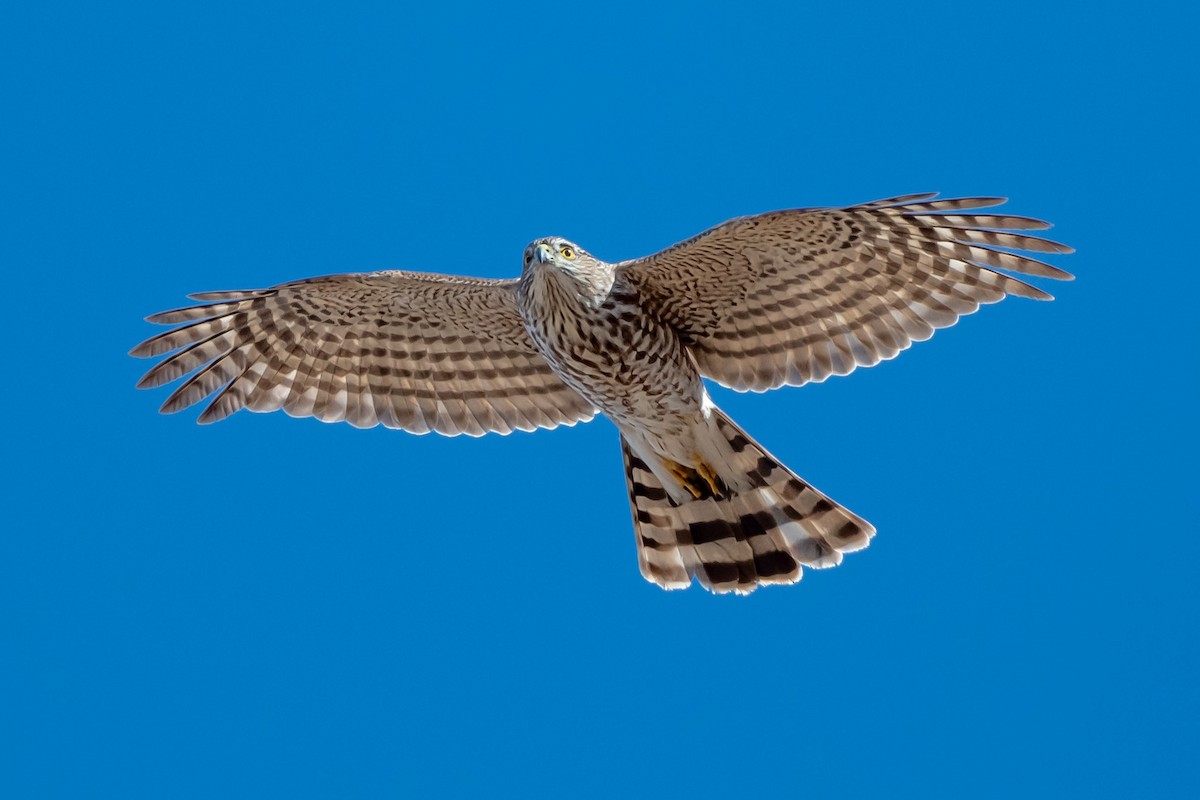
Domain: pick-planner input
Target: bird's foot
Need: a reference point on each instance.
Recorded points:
(701, 481)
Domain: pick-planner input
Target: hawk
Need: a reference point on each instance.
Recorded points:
(782, 298)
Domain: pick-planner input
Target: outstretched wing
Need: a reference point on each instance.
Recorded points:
(795, 296)
(403, 349)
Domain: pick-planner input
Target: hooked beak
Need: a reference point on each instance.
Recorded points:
(542, 253)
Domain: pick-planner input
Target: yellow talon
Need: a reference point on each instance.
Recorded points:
(714, 482)
(686, 477)
(700, 481)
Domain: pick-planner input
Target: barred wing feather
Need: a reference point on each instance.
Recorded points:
(791, 297)
(416, 351)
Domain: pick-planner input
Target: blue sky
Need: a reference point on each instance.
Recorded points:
(259, 607)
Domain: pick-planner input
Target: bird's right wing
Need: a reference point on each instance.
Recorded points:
(406, 350)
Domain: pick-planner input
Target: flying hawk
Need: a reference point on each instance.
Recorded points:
(783, 298)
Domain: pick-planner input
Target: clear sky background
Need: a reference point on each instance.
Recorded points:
(276, 607)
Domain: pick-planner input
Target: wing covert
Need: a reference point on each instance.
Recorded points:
(409, 350)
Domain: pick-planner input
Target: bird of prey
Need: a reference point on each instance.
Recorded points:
(759, 302)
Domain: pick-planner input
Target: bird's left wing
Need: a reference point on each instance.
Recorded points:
(795, 296)
(407, 350)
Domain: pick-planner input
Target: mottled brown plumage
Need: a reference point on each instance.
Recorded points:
(407, 350)
(759, 302)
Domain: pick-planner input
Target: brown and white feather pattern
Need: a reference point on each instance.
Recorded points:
(758, 302)
(402, 349)
(791, 297)
(761, 535)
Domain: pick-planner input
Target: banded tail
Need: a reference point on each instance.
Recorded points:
(760, 526)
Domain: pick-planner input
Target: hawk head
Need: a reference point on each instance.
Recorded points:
(558, 253)
(576, 269)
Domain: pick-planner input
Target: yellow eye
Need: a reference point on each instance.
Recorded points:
(567, 253)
